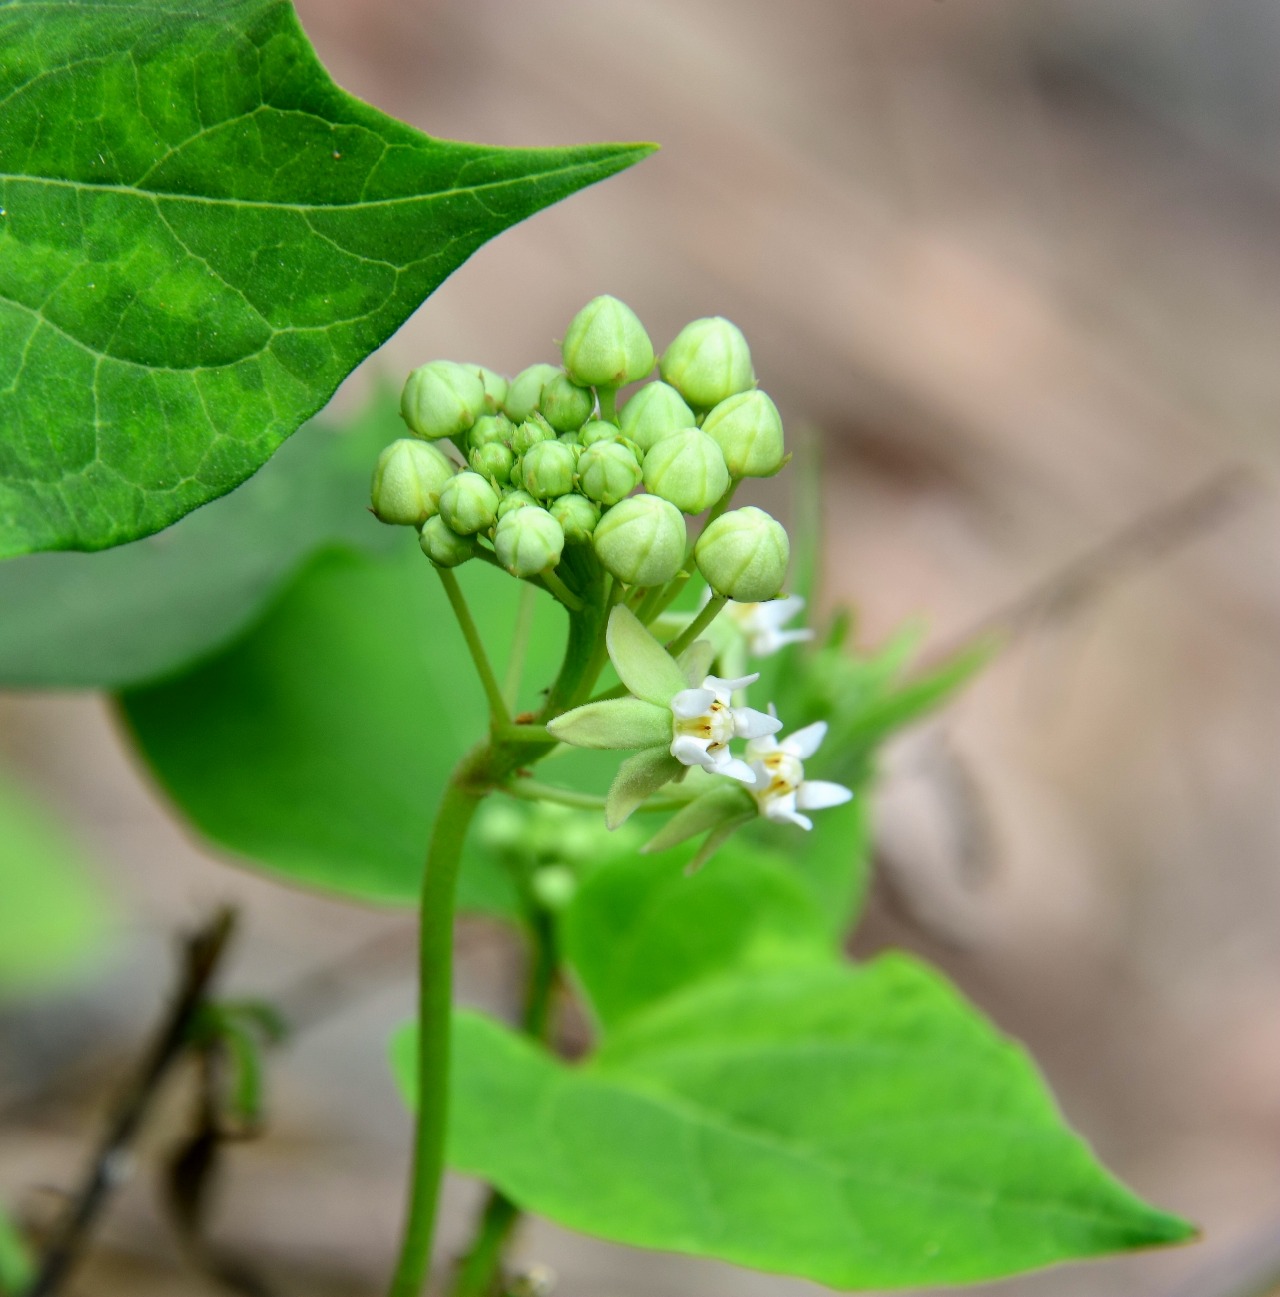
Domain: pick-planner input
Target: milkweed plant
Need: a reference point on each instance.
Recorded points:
(655, 768)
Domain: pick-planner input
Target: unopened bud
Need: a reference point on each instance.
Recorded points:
(533, 430)
(641, 540)
(748, 429)
(490, 428)
(442, 399)
(654, 412)
(606, 345)
(688, 469)
(743, 554)
(514, 500)
(608, 472)
(495, 389)
(493, 461)
(577, 516)
(407, 482)
(547, 469)
(597, 430)
(528, 541)
(565, 405)
(708, 362)
(468, 503)
(524, 392)
(444, 547)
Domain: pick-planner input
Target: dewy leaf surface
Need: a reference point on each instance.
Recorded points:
(860, 1127)
(317, 746)
(200, 236)
(148, 609)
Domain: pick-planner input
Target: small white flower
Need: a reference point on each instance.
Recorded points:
(778, 783)
(761, 624)
(704, 720)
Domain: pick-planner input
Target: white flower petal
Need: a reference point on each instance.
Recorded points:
(818, 794)
(691, 752)
(751, 724)
(758, 749)
(689, 703)
(804, 743)
(729, 686)
(736, 769)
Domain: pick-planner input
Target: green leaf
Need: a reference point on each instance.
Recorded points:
(51, 916)
(639, 929)
(318, 745)
(200, 236)
(145, 610)
(16, 1267)
(642, 664)
(864, 1128)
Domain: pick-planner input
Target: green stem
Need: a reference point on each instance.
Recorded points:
(524, 734)
(608, 404)
(697, 625)
(497, 708)
(562, 591)
(534, 790)
(600, 649)
(519, 647)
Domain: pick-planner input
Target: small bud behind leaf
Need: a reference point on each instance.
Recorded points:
(608, 471)
(524, 392)
(744, 554)
(688, 469)
(528, 541)
(407, 482)
(565, 405)
(468, 503)
(708, 362)
(748, 429)
(641, 540)
(442, 399)
(606, 345)
(443, 546)
(654, 412)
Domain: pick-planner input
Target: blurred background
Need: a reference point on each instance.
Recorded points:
(1018, 265)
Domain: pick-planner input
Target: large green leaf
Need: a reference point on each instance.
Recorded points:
(318, 745)
(147, 609)
(200, 236)
(51, 916)
(861, 1127)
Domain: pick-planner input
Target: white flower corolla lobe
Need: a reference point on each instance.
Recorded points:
(704, 721)
(761, 624)
(781, 791)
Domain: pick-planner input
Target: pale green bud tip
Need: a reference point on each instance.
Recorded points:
(444, 547)
(524, 392)
(528, 541)
(688, 469)
(654, 412)
(577, 515)
(565, 405)
(608, 472)
(407, 482)
(442, 399)
(748, 429)
(708, 362)
(606, 345)
(469, 503)
(744, 554)
(547, 469)
(515, 500)
(641, 540)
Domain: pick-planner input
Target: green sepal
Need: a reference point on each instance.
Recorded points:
(725, 804)
(642, 664)
(639, 777)
(614, 723)
(696, 661)
(716, 839)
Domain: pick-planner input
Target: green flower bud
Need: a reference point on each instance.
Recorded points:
(597, 430)
(688, 469)
(533, 430)
(407, 482)
(547, 469)
(608, 472)
(491, 428)
(577, 516)
(565, 405)
(743, 554)
(748, 429)
(606, 345)
(514, 500)
(493, 461)
(468, 503)
(495, 389)
(655, 411)
(708, 362)
(641, 541)
(444, 547)
(528, 541)
(524, 392)
(569, 439)
(442, 399)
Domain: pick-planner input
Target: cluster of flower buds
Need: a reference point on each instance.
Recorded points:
(540, 472)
